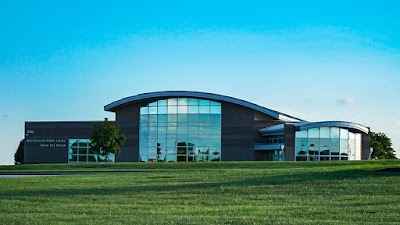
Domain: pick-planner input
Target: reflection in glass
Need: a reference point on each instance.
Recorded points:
(313, 133)
(324, 132)
(180, 129)
(172, 101)
(334, 132)
(327, 143)
(80, 151)
(182, 101)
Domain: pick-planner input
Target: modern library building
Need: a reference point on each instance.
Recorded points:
(188, 126)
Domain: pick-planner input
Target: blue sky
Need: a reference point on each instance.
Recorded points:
(317, 60)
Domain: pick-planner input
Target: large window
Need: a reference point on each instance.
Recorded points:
(79, 151)
(180, 129)
(327, 143)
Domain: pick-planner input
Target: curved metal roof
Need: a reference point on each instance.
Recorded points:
(279, 129)
(170, 94)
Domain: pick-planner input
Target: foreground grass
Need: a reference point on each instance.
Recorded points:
(209, 193)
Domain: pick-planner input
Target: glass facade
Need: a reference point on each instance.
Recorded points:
(180, 129)
(327, 143)
(79, 151)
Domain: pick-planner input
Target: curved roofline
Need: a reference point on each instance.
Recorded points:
(169, 94)
(343, 124)
(279, 129)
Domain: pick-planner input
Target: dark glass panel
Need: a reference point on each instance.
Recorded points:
(83, 144)
(301, 158)
(344, 151)
(324, 158)
(92, 158)
(82, 158)
(74, 150)
(83, 151)
(334, 151)
(73, 158)
(92, 151)
(181, 158)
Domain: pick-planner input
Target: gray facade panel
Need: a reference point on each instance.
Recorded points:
(290, 137)
(127, 119)
(237, 137)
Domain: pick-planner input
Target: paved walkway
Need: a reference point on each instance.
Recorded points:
(20, 176)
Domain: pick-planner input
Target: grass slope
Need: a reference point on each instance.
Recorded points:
(205, 193)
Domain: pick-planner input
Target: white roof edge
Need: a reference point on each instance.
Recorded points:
(289, 119)
(273, 113)
(279, 129)
(344, 124)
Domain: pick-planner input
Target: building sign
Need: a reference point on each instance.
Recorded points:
(47, 143)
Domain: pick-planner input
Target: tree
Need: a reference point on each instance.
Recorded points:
(19, 154)
(382, 145)
(106, 139)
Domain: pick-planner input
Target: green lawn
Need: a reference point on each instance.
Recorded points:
(205, 193)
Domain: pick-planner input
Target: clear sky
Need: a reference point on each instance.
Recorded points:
(316, 60)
